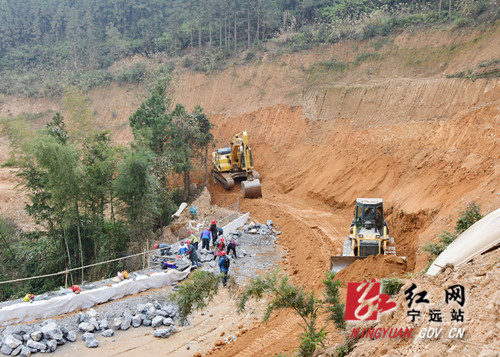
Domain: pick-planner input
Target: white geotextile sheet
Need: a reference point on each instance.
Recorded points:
(481, 236)
(25, 311)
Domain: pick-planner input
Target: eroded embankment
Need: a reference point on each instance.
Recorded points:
(312, 171)
(424, 170)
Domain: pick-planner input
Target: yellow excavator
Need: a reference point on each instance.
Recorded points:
(369, 235)
(235, 162)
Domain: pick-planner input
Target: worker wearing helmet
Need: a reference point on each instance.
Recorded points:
(164, 248)
(220, 246)
(224, 263)
(214, 232)
(192, 254)
(194, 239)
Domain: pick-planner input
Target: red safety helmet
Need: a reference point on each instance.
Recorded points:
(222, 240)
(213, 222)
(156, 246)
(190, 232)
(188, 242)
(223, 253)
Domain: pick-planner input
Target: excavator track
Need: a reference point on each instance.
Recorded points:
(224, 178)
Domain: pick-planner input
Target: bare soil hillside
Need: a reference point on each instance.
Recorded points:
(391, 127)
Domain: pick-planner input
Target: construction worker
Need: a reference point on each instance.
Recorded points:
(192, 254)
(232, 247)
(194, 239)
(219, 248)
(164, 248)
(214, 232)
(183, 248)
(205, 239)
(224, 267)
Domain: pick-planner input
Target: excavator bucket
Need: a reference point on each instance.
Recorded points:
(251, 189)
(337, 263)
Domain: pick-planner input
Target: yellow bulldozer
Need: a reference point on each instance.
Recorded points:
(369, 234)
(235, 163)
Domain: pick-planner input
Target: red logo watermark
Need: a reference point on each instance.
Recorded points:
(365, 301)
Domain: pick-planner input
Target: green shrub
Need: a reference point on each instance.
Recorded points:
(391, 286)
(284, 295)
(196, 292)
(89, 80)
(434, 249)
(346, 347)
(332, 299)
(187, 62)
(460, 22)
(133, 75)
(469, 216)
(9, 163)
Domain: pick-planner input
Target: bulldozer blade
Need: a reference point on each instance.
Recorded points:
(251, 189)
(337, 263)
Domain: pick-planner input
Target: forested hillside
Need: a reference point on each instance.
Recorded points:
(46, 45)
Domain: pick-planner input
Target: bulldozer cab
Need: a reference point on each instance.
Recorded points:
(369, 234)
(369, 216)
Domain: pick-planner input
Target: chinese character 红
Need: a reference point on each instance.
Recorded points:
(410, 296)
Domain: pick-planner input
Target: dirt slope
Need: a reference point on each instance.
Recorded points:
(391, 127)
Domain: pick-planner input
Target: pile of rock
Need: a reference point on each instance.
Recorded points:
(262, 229)
(150, 314)
(25, 340)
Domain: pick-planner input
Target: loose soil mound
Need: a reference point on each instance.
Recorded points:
(377, 267)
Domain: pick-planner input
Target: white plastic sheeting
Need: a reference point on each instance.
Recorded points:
(26, 311)
(481, 236)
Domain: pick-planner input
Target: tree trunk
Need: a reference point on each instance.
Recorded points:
(449, 11)
(175, 45)
(79, 236)
(112, 208)
(225, 32)
(67, 249)
(74, 57)
(199, 38)
(220, 34)
(206, 164)
(191, 43)
(210, 33)
(248, 26)
(258, 27)
(235, 35)
(439, 12)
